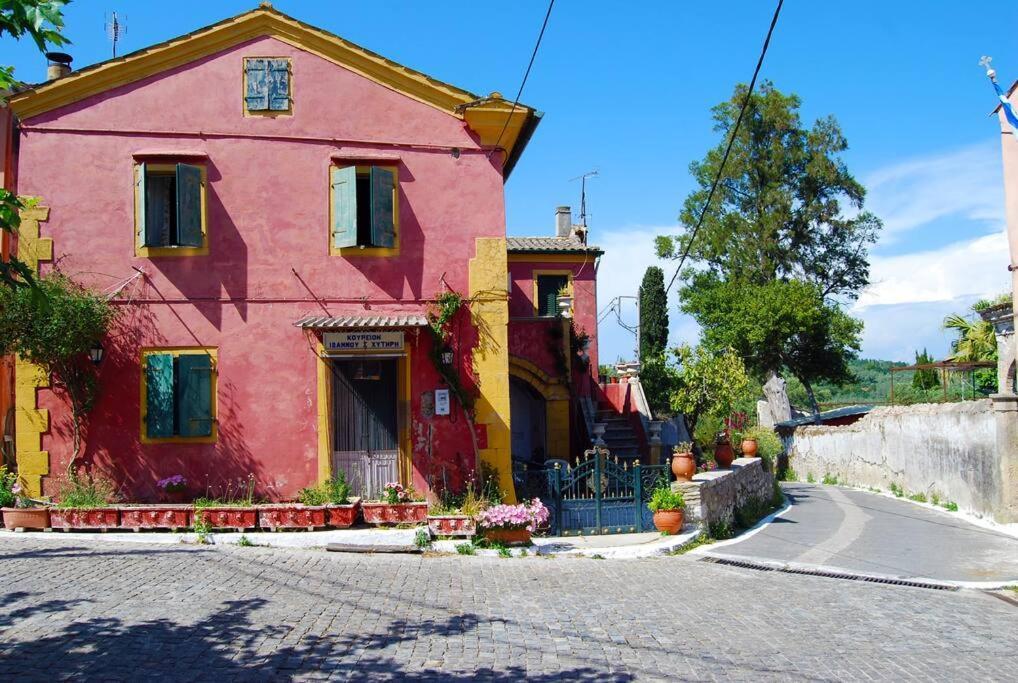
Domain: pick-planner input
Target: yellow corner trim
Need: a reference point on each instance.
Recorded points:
(366, 252)
(175, 351)
(162, 252)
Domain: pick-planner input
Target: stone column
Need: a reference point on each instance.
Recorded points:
(1005, 409)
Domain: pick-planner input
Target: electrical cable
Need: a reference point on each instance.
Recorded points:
(728, 149)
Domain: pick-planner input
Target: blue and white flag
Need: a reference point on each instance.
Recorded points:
(1009, 114)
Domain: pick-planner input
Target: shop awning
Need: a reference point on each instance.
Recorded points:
(367, 320)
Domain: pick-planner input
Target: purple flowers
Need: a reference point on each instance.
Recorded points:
(527, 515)
(175, 483)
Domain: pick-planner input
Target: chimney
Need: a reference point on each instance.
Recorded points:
(58, 65)
(563, 221)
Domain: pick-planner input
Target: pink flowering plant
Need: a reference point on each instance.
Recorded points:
(530, 515)
(174, 484)
(395, 493)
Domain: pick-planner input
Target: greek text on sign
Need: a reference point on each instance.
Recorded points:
(363, 340)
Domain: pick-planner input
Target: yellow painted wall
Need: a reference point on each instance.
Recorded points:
(489, 311)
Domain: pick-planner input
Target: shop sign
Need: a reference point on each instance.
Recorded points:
(363, 340)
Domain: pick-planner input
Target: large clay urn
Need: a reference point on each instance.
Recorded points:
(723, 454)
(669, 521)
(683, 466)
(749, 448)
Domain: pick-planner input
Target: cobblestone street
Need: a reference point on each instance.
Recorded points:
(119, 612)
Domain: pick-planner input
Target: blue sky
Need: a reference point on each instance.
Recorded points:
(626, 90)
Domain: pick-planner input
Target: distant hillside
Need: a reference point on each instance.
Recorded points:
(872, 385)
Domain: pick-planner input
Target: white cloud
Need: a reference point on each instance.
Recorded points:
(965, 183)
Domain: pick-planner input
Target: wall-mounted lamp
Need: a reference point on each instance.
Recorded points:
(447, 357)
(96, 353)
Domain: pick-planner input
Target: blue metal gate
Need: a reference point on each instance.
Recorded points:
(602, 495)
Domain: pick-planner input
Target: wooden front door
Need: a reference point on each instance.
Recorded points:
(365, 423)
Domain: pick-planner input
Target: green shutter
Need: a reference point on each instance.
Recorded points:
(383, 232)
(159, 395)
(257, 95)
(194, 395)
(344, 206)
(279, 85)
(548, 287)
(188, 206)
(156, 208)
(141, 170)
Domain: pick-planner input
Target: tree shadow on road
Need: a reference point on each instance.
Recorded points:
(228, 645)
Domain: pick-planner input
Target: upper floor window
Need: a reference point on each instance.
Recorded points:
(267, 86)
(364, 210)
(170, 210)
(547, 288)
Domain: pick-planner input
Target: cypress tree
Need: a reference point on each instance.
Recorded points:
(653, 314)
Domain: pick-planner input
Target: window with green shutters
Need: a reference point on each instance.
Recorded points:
(548, 287)
(179, 395)
(170, 209)
(267, 82)
(364, 210)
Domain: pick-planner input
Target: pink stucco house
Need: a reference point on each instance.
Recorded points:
(274, 248)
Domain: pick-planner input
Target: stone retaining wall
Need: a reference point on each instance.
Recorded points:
(713, 497)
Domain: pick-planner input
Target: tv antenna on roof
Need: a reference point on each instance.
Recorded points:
(583, 194)
(115, 30)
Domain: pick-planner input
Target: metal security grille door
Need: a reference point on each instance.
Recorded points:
(365, 437)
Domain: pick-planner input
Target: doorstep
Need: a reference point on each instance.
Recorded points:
(614, 546)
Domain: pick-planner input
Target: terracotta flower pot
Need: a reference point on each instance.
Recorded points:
(398, 513)
(175, 496)
(669, 521)
(749, 448)
(84, 518)
(26, 518)
(724, 455)
(291, 516)
(138, 517)
(229, 517)
(342, 516)
(452, 525)
(508, 536)
(683, 466)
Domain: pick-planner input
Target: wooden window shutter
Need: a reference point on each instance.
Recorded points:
(194, 395)
(155, 209)
(548, 287)
(257, 95)
(141, 170)
(344, 206)
(279, 84)
(383, 231)
(189, 211)
(159, 395)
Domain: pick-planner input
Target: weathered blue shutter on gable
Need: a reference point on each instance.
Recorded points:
(189, 206)
(194, 395)
(257, 95)
(159, 395)
(383, 231)
(344, 206)
(279, 84)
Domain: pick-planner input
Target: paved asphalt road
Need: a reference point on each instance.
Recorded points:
(868, 533)
(107, 611)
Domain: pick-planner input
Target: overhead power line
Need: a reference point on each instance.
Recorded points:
(526, 75)
(728, 149)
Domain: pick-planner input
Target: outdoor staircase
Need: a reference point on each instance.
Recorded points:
(619, 435)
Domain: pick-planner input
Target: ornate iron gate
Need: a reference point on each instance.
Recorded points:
(602, 495)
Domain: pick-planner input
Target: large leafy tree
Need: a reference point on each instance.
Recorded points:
(42, 21)
(653, 314)
(779, 325)
(783, 244)
(706, 382)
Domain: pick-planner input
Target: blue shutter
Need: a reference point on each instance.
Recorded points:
(344, 206)
(159, 395)
(189, 206)
(257, 95)
(383, 231)
(141, 170)
(194, 395)
(156, 208)
(279, 84)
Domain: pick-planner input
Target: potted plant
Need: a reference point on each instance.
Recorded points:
(683, 463)
(20, 511)
(723, 452)
(399, 505)
(668, 507)
(452, 517)
(766, 445)
(512, 524)
(749, 445)
(564, 301)
(85, 503)
(341, 508)
(174, 489)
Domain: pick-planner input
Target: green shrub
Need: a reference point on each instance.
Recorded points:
(952, 507)
(316, 495)
(466, 549)
(504, 552)
(86, 492)
(7, 481)
(768, 444)
(336, 491)
(897, 490)
(918, 497)
(830, 479)
(663, 498)
(810, 479)
(719, 530)
(244, 542)
(422, 539)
